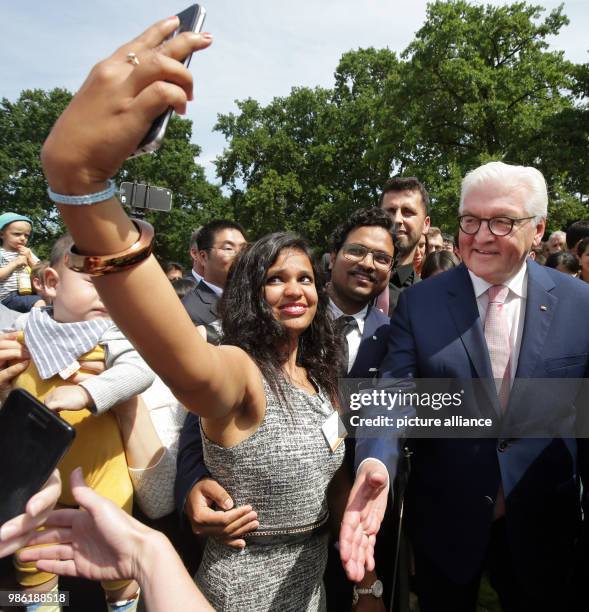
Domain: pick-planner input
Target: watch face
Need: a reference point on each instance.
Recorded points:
(377, 589)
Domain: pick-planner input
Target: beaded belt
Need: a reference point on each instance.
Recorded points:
(287, 535)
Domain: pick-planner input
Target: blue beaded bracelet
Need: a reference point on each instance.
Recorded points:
(84, 200)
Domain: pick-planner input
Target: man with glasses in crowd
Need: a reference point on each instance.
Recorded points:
(505, 503)
(218, 243)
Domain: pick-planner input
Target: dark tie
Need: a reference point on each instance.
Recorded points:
(343, 326)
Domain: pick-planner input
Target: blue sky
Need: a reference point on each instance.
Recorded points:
(261, 48)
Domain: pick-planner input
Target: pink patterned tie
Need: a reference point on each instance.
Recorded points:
(498, 344)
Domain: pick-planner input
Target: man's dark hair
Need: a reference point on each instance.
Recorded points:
(173, 265)
(244, 312)
(206, 235)
(60, 248)
(363, 217)
(438, 261)
(406, 183)
(562, 258)
(194, 238)
(582, 246)
(577, 231)
(182, 286)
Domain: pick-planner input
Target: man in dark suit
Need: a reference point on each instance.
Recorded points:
(360, 261)
(505, 503)
(218, 243)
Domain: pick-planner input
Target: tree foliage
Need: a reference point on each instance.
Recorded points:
(478, 82)
(24, 126)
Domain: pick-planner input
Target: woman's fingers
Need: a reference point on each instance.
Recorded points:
(156, 66)
(164, 63)
(149, 39)
(238, 544)
(62, 568)
(158, 97)
(47, 497)
(181, 46)
(7, 375)
(51, 552)
(238, 531)
(51, 535)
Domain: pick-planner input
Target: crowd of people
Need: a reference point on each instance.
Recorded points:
(229, 410)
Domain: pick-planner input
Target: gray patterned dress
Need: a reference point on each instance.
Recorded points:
(283, 471)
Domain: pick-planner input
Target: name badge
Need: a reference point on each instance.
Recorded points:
(334, 431)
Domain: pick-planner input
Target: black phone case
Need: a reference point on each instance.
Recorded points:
(32, 442)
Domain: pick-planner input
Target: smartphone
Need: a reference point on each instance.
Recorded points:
(191, 20)
(32, 442)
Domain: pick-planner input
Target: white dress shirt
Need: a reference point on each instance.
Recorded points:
(217, 290)
(197, 276)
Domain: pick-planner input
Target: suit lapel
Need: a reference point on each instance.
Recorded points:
(208, 296)
(540, 309)
(465, 314)
(369, 338)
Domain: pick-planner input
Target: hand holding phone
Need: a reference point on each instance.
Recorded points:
(32, 442)
(191, 20)
(113, 104)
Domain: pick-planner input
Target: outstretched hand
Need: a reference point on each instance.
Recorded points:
(99, 542)
(362, 518)
(115, 106)
(14, 359)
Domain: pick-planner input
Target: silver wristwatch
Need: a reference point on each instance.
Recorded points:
(375, 590)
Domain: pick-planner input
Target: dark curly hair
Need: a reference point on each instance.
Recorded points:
(248, 321)
(363, 217)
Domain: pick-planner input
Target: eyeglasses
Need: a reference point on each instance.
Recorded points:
(229, 251)
(498, 226)
(358, 252)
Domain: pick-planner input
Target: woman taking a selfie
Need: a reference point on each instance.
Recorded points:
(264, 395)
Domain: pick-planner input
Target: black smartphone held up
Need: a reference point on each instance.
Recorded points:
(32, 442)
(191, 20)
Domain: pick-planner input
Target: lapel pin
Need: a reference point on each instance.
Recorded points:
(542, 307)
(374, 337)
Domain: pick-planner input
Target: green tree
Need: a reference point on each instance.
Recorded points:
(24, 126)
(305, 161)
(479, 82)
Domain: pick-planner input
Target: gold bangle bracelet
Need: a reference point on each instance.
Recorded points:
(99, 265)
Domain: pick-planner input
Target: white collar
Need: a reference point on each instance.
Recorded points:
(517, 283)
(217, 290)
